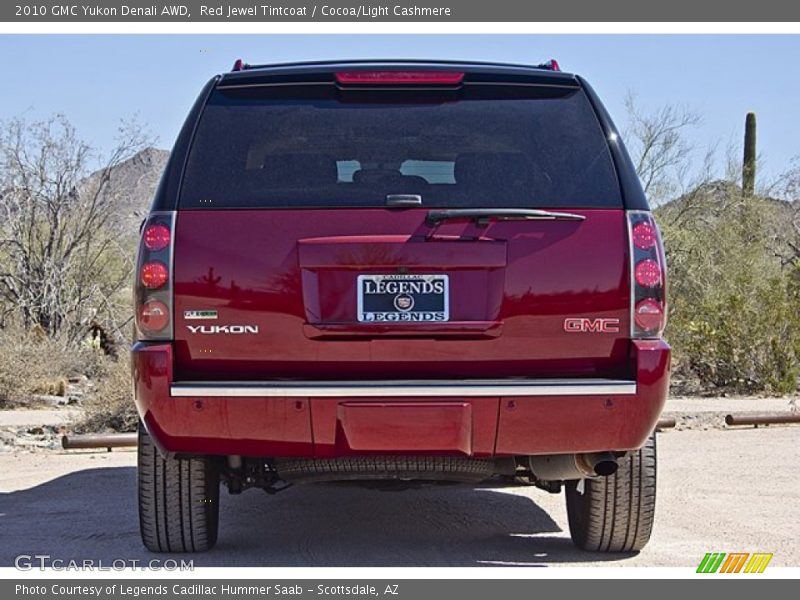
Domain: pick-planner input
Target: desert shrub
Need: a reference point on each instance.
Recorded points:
(734, 304)
(740, 341)
(109, 404)
(32, 363)
(64, 263)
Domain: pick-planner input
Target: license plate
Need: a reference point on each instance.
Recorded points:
(403, 298)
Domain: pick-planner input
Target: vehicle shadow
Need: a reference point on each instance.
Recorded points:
(91, 514)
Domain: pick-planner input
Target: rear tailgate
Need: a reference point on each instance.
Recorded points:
(289, 265)
(283, 288)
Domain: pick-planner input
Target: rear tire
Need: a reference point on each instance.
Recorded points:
(178, 500)
(615, 513)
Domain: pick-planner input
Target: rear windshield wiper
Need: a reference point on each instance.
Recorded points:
(482, 216)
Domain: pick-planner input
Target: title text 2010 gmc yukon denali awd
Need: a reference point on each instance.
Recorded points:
(406, 270)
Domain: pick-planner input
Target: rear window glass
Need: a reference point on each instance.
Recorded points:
(317, 146)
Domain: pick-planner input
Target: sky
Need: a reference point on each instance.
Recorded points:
(96, 80)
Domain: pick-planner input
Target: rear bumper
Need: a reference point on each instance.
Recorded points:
(326, 419)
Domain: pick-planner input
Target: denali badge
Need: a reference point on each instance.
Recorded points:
(583, 325)
(212, 329)
(199, 314)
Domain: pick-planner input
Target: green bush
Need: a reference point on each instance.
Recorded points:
(734, 303)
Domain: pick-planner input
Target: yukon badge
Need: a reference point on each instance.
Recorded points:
(584, 325)
(230, 329)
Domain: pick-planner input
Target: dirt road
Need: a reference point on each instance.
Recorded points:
(718, 491)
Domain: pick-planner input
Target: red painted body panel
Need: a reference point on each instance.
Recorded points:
(293, 274)
(403, 426)
(248, 426)
(329, 427)
(561, 425)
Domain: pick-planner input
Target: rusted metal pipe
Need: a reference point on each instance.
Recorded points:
(757, 418)
(111, 440)
(666, 423)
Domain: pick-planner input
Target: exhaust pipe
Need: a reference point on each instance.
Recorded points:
(602, 464)
(563, 467)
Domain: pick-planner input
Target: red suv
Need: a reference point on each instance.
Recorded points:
(411, 270)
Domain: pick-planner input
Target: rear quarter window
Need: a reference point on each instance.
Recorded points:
(321, 147)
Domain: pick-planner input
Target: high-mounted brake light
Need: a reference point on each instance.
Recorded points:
(399, 77)
(152, 292)
(648, 276)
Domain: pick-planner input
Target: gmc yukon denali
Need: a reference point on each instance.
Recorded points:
(402, 272)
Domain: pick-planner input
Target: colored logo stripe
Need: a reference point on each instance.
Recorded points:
(711, 562)
(734, 562)
(757, 563)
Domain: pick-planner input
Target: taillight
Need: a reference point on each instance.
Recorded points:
(648, 314)
(156, 236)
(153, 286)
(648, 276)
(399, 77)
(153, 316)
(647, 273)
(644, 235)
(154, 275)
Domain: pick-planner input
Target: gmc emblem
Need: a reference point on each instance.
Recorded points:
(584, 325)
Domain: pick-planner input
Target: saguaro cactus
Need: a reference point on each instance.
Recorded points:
(749, 162)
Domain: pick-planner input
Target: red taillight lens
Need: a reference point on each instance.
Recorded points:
(154, 275)
(648, 273)
(152, 293)
(648, 276)
(400, 77)
(156, 237)
(153, 316)
(644, 235)
(649, 315)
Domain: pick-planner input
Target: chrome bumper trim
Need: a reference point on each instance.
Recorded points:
(406, 388)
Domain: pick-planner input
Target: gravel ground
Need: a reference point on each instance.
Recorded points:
(719, 490)
(38, 418)
(728, 404)
(709, 413)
